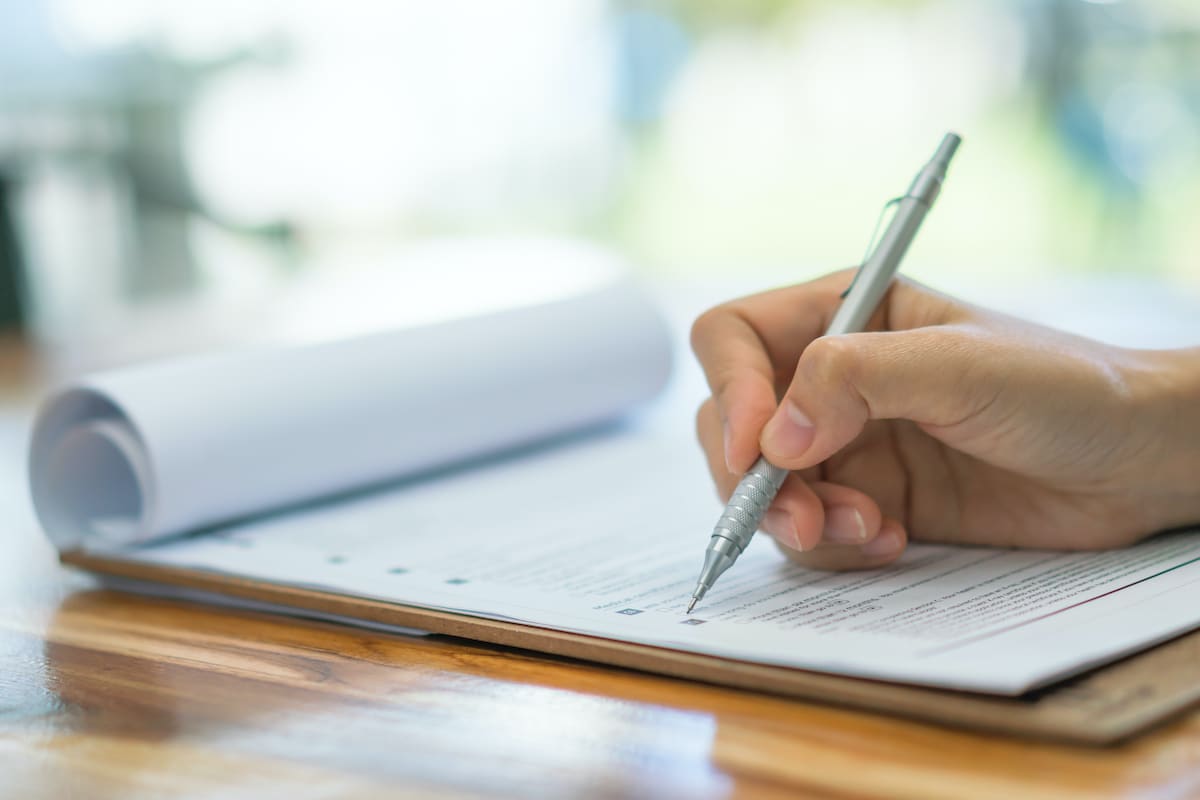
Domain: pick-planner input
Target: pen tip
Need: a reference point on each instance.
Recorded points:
(692, 604)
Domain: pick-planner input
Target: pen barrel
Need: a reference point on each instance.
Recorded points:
(874, 278)
(749, 502)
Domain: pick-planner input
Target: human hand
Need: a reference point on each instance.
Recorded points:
(945, 422)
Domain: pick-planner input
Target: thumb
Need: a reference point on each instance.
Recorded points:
(935, 376)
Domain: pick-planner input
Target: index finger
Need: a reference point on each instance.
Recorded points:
(748, 349)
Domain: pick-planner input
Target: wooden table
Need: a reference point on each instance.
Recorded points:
(104, 695)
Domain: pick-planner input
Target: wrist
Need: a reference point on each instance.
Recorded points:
(1165, 392)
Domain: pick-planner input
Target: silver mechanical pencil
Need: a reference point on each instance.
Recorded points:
(756, 490)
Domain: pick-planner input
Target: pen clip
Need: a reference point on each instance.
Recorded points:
(872, 243)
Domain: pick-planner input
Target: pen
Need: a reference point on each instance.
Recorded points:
(758, 487)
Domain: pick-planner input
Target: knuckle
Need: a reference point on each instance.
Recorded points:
(830, 361)
(703, 326)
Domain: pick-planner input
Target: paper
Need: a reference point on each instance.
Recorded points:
(169, 447)
(605, 537)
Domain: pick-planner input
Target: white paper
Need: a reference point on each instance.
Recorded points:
(606, 536)
(159, 449)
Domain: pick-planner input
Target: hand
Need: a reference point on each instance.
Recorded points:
(946, 422)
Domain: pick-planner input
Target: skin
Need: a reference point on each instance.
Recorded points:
(945, 422)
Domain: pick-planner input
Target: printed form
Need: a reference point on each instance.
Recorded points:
(599, 537)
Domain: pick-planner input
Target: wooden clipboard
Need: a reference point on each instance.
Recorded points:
(1100, 707)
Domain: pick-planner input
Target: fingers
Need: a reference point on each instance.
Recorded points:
(824, 525)
(749, 348)
(935, 376)
(854, 535)
(883, 549)
(796, 515)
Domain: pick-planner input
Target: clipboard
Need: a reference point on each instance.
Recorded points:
(1101, 707)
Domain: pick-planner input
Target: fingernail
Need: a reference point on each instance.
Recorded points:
(790, 432)
(844, 524)
(780, 525)
(885, 544)
(728, 436)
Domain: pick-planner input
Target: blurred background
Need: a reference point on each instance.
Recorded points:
(170, 169)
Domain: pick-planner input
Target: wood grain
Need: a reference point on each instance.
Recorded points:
(115, 695)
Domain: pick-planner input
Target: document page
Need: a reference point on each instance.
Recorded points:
(605, 536)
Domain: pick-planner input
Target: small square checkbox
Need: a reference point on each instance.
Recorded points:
(693, 622)
(629, 612)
